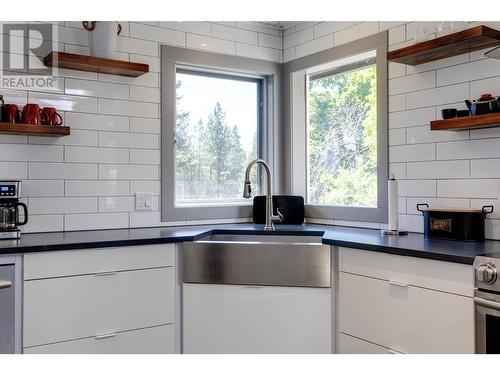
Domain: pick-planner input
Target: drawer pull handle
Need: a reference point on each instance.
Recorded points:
(395, 283)
(105, 335)
(4, 284)
(105, 274)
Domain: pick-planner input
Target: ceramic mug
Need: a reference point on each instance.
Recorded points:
(32, 114)
(11, 113)
(51, 117)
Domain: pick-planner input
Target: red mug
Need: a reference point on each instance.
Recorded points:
(32, 114)
(11, 113)
(51, 117)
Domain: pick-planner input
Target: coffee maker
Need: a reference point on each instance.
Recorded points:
(10, 192)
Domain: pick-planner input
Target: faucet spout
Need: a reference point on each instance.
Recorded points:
(247, 193)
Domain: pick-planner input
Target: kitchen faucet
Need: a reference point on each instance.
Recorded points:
(247, 193)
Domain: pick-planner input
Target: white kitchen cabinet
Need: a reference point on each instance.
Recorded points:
(400, 304)
(249, 319)
(154, 340)
(352, 345)
(109, 298)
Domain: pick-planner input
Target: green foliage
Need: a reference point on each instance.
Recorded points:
(210, 159)
(343, 139)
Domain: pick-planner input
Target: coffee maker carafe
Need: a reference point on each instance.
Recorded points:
(10, 191)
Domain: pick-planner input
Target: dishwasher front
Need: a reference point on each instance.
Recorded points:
(7, 309)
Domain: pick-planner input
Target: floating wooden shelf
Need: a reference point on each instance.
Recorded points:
(469, 40)
(39, 130)
(95, 64)
(490, 120)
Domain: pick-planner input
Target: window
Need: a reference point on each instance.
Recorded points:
(338, 116)
(217, 113)
(217, 134)
(342, 135)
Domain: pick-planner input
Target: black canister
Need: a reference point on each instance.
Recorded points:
(464, 224)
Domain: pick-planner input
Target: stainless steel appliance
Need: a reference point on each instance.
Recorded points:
(7, 309)
(10, 192)
(487, 304)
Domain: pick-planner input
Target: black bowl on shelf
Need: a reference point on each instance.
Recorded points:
(463, 113)
(449, 113)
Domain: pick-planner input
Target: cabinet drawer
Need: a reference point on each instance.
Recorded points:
(405, 318)
(154, 340)
(426, 273)
(352, 345)
(81, 262)
(69, 308)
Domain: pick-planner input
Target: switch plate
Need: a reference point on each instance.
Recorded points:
(144, 201)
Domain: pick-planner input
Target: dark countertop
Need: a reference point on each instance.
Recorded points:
(412, 244)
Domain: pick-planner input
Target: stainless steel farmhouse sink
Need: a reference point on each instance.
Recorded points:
(257, 259)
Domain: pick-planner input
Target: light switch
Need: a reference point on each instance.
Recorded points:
(144, 201)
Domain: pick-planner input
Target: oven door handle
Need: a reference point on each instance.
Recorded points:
(487, 303)
(4, 284)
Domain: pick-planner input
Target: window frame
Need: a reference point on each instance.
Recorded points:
(173, 58)
(295, 115)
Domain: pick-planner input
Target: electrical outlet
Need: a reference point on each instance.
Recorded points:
(143, 201)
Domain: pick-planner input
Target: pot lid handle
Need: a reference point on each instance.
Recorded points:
(421, 205)
(487, 209)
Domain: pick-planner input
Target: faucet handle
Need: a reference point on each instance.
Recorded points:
(279, 217)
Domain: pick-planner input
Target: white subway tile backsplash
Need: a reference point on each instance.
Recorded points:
(21, 152)
(477, 188)
(116, 204)
(96, 155)
(314, 46)
(129, 140)
(423, 134)
(14, 170)
(44, 223)
(96, 188)
(54, 205)
(412, 152)
(270, 41)
(238, 35)
(413, 82)
(329, 27)
(485, 168)
(203, 28)
(96, 89)
(474, 149)
(145, 125)
(358, 31)
(76, 138)
(114, 147)
(298, 37)
(468, 72)
(64, 102)
(411, 203)
(417, 188)
(257, 52)
(437, 96)
(43, 188)
(128, 172)
(157, 34)
(62, 171)
(413, 117)
(153, 187)
(145, 156)
(210, 44)
(438, 169)
(96, 122)
(96, 221)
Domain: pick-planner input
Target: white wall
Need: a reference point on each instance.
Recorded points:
(442, 168)
(88, 180)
